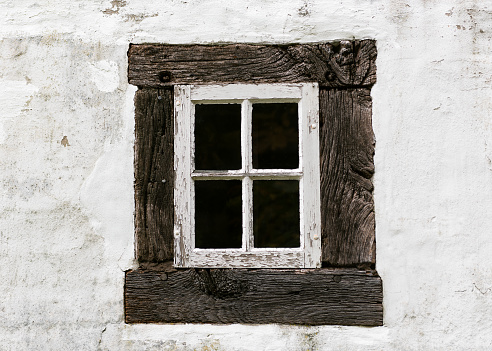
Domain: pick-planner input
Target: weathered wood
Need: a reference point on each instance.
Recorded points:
(154, 175)
(335, 64)
(313, 297)
(346, 139)
(159, 293)
(346, 151)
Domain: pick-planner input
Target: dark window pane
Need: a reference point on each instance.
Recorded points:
(275, 136)
(218, 137)
(276, 213)
(218, 214)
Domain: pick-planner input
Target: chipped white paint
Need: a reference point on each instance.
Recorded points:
(310, 182)
(246, 169)
(213, 93)
(308, 255)
(252, 173)
(62, 277)
(183, 185)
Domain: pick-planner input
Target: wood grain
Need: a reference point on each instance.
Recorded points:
(312, 297)
(154, 175)
(346, 140)
(335, 64)
(347, 165)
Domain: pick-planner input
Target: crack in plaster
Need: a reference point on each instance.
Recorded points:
(486, 291)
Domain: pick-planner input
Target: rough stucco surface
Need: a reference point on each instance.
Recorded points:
(66, 165)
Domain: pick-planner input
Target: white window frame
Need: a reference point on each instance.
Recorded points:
(308, 255)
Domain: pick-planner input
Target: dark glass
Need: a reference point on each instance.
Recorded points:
(218, 214)
(276, 213)
(218, 137)
(275, 136)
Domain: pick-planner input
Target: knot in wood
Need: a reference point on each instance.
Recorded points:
(330, 76)
(218, 284)
(165, 76)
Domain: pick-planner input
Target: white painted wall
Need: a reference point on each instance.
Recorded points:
(66, 209)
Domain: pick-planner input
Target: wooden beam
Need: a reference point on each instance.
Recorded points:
(312, 297)
(335, 64)
(347, 165)
(154, 175)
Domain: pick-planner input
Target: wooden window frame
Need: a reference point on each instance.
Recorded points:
(347, 290)
(308, 254)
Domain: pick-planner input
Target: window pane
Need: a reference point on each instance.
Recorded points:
(218, 137)
(275, 136)
(276, 213)
(218, 214)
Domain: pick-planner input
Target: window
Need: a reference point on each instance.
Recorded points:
(347, 289)
(247, 185)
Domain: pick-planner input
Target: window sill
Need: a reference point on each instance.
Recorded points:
(328, 296)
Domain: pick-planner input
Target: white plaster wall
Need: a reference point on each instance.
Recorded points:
(66, 168)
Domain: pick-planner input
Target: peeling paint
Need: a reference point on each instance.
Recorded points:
(304, 10)
(116, 5)
(139, 17)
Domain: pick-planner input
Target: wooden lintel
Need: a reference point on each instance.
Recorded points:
(334, 64)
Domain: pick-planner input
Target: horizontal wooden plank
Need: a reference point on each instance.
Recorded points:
(335, 64)
(312, 297)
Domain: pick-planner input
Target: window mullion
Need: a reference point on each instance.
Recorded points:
(246, 153)
(247, 214)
